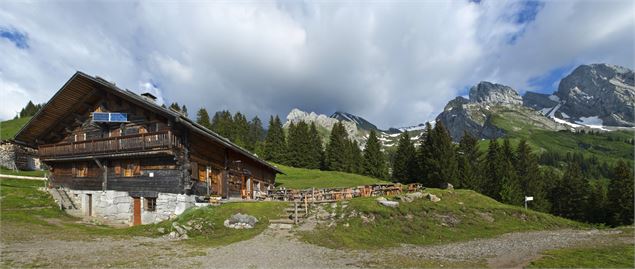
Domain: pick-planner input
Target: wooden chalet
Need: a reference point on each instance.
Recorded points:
(103, 144)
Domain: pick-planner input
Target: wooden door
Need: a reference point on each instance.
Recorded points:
(136, 214)
(90, 205)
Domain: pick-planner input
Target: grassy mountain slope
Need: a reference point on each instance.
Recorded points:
(8, 129)
(460, 215)
(609, 146)
(300, 178)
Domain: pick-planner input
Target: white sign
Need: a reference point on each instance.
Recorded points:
(529, 198)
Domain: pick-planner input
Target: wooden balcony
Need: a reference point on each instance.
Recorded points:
(146, 142)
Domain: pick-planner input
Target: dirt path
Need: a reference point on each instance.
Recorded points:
(278, 249)
(513, 250)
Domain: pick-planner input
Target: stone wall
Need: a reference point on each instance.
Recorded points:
(14, 156)
(116, 207)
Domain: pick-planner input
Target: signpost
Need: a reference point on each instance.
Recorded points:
(527, 199)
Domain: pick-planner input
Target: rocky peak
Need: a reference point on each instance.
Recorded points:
(599, 90)
(361, 122)
(493, 93)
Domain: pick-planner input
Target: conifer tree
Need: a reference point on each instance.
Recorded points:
(510, 190)
(255, 134)
(403, 169)
(175, 106)
(570, 195)
(223, 123)
(493, 170)
(298, 145)
(469, 163)
(374, 160)
(531, 179)
(335, 158)
(424, 155)
(620, 195)
(184, 110)
(275, 144)
(315, 152)
(239, 129)
(356, 163)
(442, 164)
(202, 118)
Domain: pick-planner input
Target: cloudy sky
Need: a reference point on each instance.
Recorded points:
(395, 63)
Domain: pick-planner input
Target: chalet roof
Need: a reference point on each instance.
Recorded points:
(81, 86)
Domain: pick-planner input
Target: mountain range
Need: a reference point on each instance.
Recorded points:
(592, 97)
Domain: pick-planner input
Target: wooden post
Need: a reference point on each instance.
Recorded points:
(306, 206)
(295, 216)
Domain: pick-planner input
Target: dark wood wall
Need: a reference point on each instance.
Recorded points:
(166, 175)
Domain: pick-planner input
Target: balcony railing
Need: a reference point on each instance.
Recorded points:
(121, 144)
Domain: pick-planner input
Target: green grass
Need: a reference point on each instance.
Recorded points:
(27, 213)
(606, 146)
(460, 215)
(9, 128)
(618, 256)
(300, 178)
(37, 173)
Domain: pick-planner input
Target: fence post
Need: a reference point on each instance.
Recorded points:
(295, 216)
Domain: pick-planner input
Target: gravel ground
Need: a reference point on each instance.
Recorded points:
(279, 249)
(506, 251)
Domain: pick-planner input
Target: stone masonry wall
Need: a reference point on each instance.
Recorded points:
(116, 207)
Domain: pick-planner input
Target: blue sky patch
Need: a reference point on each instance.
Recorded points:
(526, 15)
(548, 82)
(19, 39)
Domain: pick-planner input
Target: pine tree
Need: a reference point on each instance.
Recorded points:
(469, 163)
(620, 195)
(298, 145)
(374, 160)
(315, 153)
(255, 134)
(570, 195)
(275, 144)
(184, 110)
(424, 155)
(493, 170)
(597, 211)
(356, 163)
(175, 106)
(202, 118)
(403, 168)
(223, 123)
(335, 158)
(530, 177)
(510, 190)
(442, 164)
(240, 129)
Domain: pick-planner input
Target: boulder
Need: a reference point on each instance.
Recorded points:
(447, 186)
(388, 203)
(240, 221)
(433, 198)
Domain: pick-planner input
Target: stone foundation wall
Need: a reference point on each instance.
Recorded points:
(116, 207)
(14, 156)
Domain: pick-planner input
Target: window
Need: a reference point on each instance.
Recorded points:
(81, 170)
(151, 203)
(131, 168)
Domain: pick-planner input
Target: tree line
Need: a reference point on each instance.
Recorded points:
(236, 128)
(508, 174)
(303, 147)
(29, 110)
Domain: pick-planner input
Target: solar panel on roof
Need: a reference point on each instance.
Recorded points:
(109, 117)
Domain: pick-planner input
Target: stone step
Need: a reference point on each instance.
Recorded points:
(281, 221)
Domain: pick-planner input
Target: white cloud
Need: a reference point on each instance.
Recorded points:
(395, 64)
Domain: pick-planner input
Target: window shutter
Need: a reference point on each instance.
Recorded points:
(194, 172)
(137, 168)
(117, 169)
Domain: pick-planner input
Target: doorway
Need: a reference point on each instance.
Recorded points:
(136, 211)
(89, 202)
